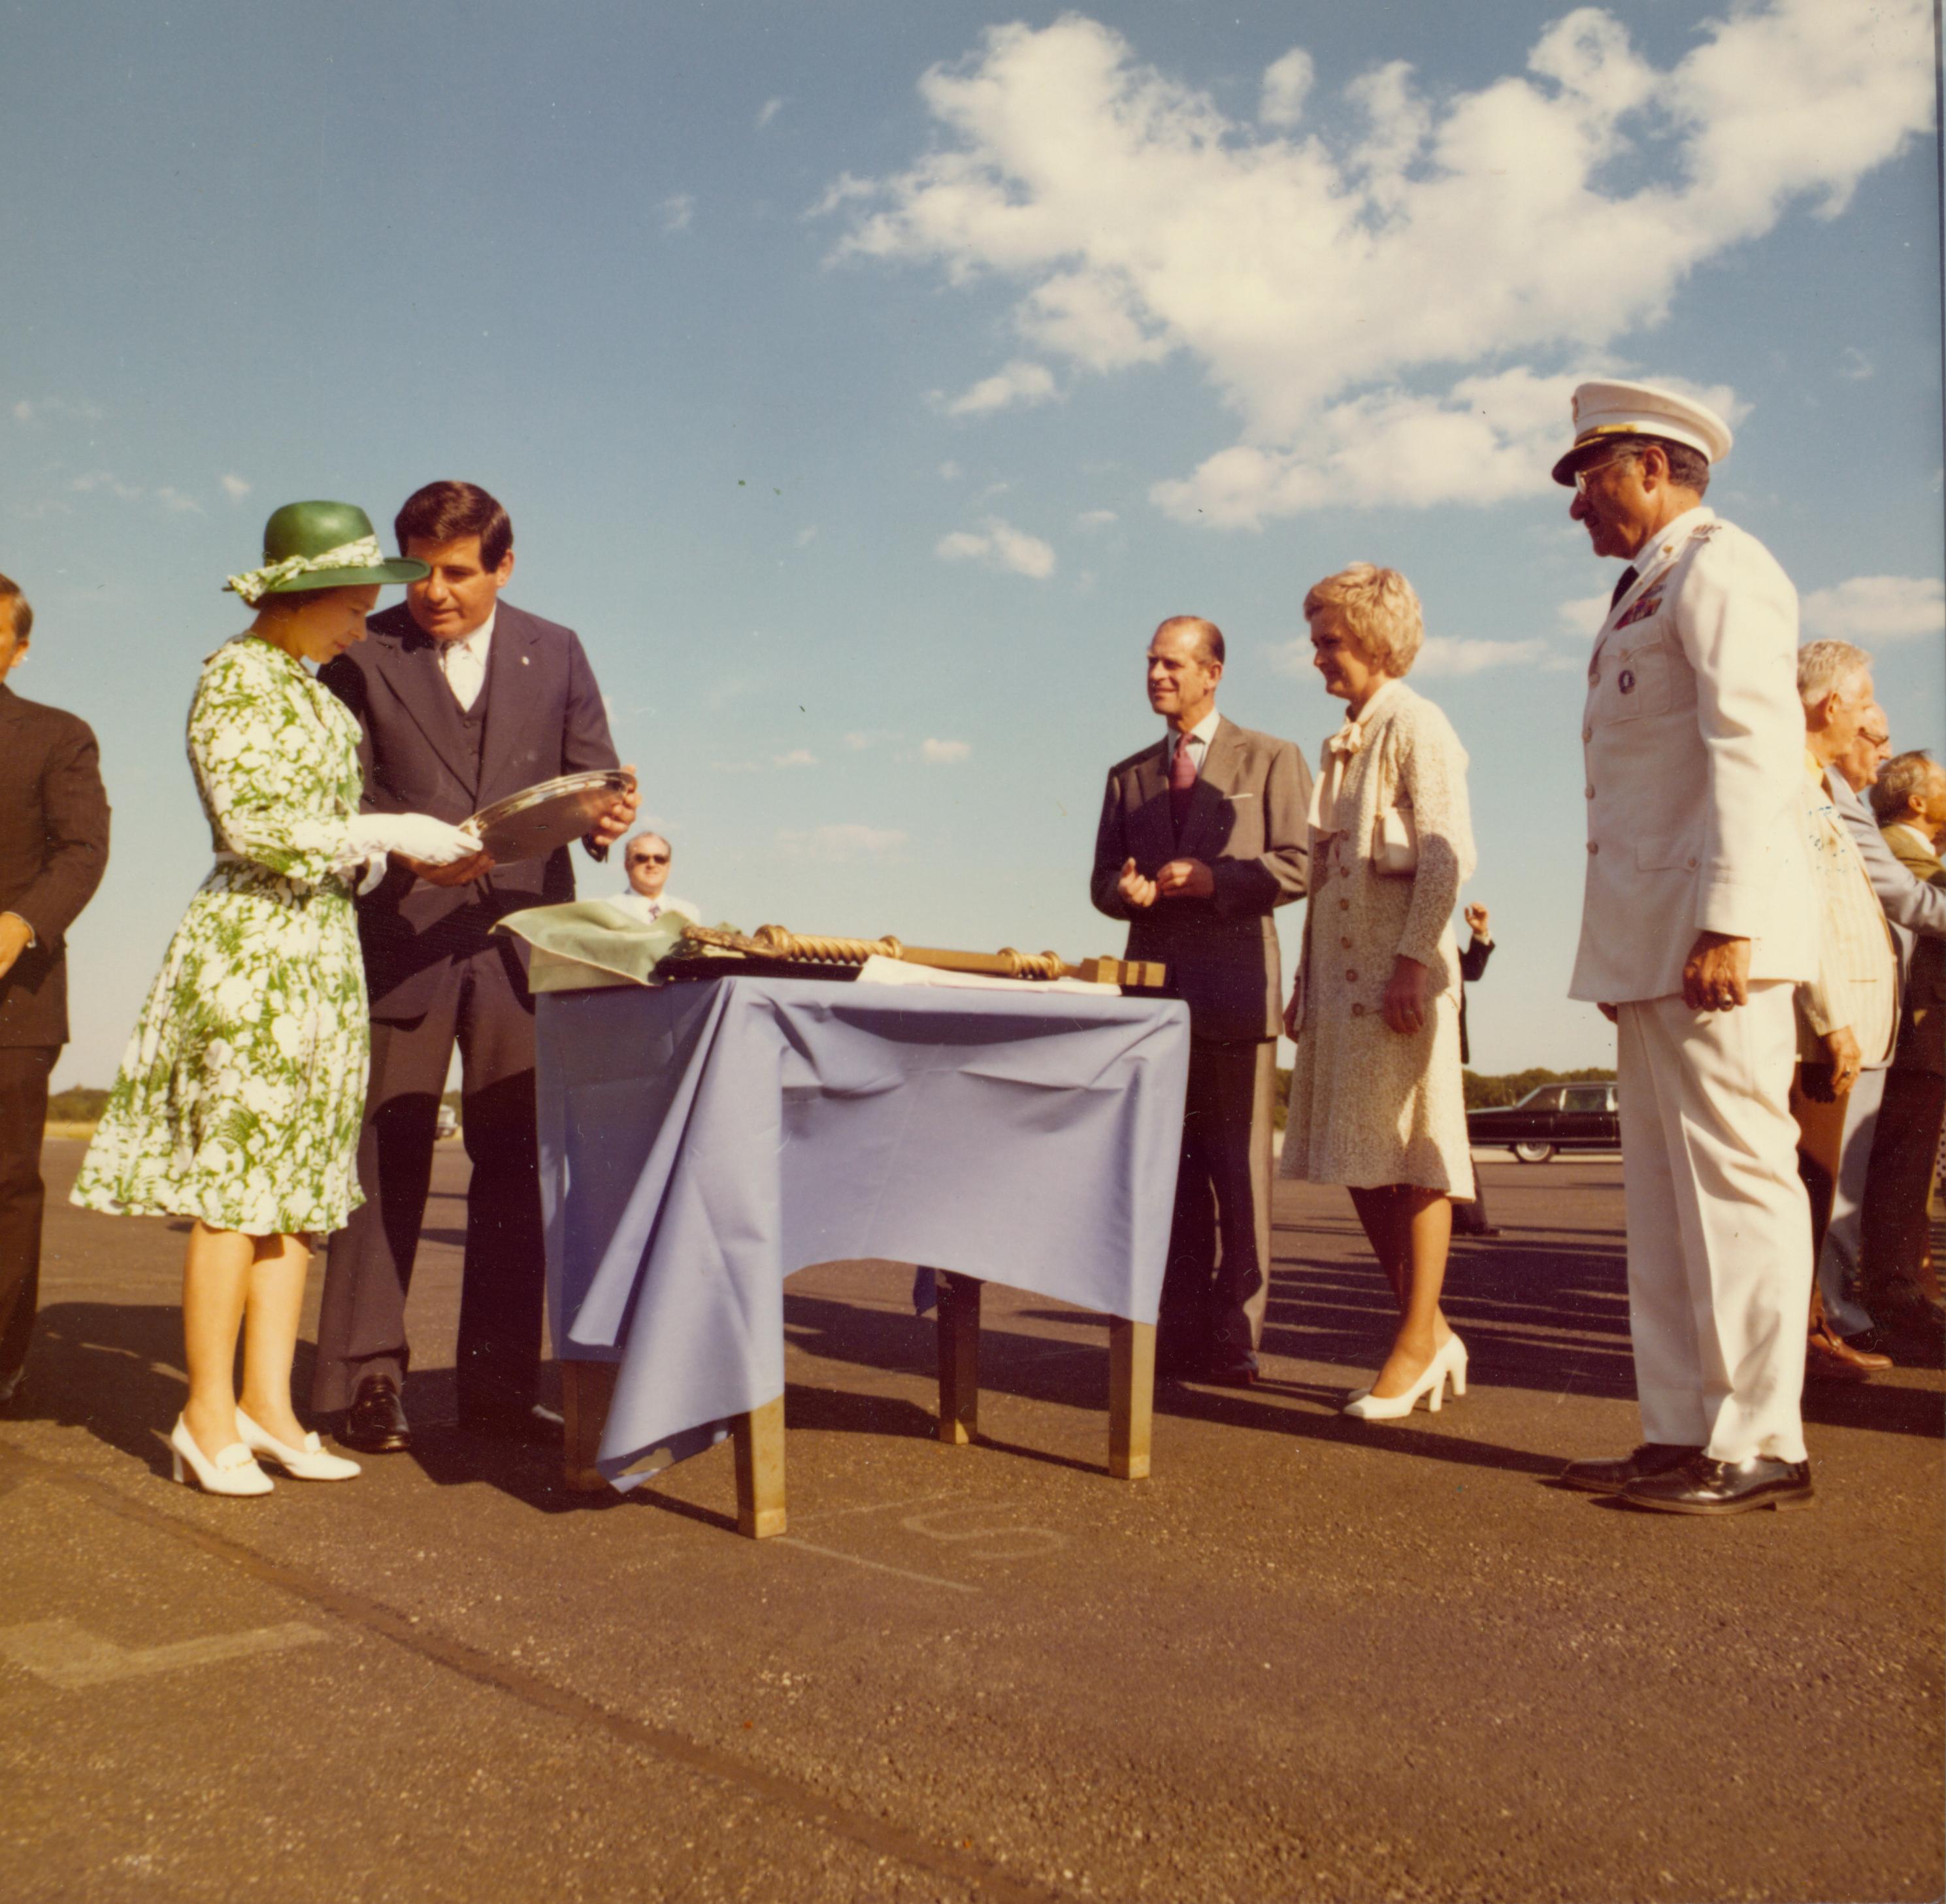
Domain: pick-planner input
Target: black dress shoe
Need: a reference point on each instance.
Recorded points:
(1652, 1457)
(1227, 1369)
(375, 1422)
(1703, 1486)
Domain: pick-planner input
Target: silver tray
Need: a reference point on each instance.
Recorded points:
(534, 822)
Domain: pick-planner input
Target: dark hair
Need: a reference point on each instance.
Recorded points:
(23, 613)
(444, 512)
(1900, 780)
(1688, 468)
(1209, 636)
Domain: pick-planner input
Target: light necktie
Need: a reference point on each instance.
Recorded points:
(464, 671)
(1182, 782)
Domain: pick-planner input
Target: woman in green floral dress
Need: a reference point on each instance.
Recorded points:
(243, 1085)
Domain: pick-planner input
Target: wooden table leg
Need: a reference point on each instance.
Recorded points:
(958, 1358)
(759, 1437)
(587, 1388)
(1131, 1397)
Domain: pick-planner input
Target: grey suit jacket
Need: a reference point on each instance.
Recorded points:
(1914, 909)
(53, 847)
(1248, 822)
(544, 718)
(1908, 902)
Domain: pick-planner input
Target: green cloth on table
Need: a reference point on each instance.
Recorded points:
(590, 943)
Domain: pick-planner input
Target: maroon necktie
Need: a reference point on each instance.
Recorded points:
(1182, 782)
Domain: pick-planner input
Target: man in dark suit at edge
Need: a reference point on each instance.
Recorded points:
(1470, 1219)
(1202, 836)
(53, 847)
(463, 699)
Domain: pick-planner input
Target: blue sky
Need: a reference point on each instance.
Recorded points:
(866, 380)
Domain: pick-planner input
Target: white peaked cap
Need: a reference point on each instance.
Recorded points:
(1604, 410)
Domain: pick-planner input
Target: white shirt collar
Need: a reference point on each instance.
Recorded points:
(1925, 844)
(1662, 547)
(1204, 732)
(478, 642)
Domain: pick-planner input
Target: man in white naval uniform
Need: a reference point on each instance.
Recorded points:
(1698, 919)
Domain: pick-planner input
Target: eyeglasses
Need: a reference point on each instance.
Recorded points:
(648, 859)
(1875, 740)
(1582, 475)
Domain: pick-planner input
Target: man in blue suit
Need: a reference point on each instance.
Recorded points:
(463, 699)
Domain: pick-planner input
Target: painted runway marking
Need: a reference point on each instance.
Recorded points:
(877, 1566)
(1011, 1542)
(67, 1655)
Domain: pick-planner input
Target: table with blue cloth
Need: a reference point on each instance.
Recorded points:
(700, 1141)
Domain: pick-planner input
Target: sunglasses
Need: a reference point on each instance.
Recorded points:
(648, 859)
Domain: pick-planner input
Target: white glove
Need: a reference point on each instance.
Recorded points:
(419, 836)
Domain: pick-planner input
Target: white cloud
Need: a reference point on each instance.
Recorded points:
(1394, 302)
(677, 209)
(949, 471)
(1854, 366)
(1876, 608)
(1018, 382)
(844, 842)
(235, 487)
(797, 756)
(1096, 518)
(1449, 655)
(24, 412)
(106, 480)
(1584, 615)
(1286, 84)
(1002, 546)
(767, 112)
(177, 503)
(944, 753)
(859, 741)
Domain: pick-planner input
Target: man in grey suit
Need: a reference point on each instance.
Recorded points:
(462, 699)
(1202, 835)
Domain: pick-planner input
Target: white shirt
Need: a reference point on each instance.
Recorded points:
(649, 910)
(464, 661)
(1198, 740)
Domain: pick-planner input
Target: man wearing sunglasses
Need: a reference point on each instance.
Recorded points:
(646, 859)
(1698, 920)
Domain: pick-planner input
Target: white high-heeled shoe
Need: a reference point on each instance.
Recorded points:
(233, 1471)
(309, 1463)
(1449, 1360)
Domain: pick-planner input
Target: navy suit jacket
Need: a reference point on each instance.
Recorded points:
(544, 718)
(53, 847)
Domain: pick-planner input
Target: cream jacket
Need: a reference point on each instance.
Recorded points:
(1693, 742)
(1856, 982)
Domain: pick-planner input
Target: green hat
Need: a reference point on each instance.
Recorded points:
(309, 545)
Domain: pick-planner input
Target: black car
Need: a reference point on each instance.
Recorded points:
(1555, 1117)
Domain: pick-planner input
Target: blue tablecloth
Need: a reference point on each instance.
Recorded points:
(699, 1142)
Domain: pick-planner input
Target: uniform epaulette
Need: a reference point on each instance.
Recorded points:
(1703, 531)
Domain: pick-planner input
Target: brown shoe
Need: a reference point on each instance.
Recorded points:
(1829, 1357)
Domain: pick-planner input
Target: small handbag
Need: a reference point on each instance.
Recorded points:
(1395, 841)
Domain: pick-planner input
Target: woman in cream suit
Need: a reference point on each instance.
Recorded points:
(1376, 1100)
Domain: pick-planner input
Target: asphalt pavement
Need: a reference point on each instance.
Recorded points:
(1309, 1658)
